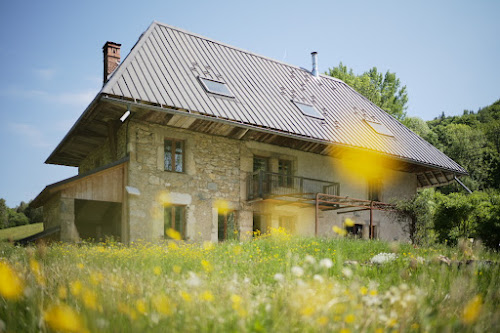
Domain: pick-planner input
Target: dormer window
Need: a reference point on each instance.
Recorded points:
(379, 128)
(309, 110)
(216, 87)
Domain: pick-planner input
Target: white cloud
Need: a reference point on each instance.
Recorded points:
(31, 134)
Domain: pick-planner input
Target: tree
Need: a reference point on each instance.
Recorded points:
(383, 90)
(419, 213)
(4, 214)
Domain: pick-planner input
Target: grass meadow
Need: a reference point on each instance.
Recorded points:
(274, 283)
(19, 232)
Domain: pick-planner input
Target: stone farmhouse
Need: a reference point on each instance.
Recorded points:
(216, 142)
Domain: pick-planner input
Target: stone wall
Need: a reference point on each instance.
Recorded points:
(214, 178)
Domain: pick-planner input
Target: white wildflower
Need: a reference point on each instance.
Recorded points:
(326, 263)
(279, 277)
(297, 271)
(383, 258)
(318, 278)
(193, 280)
(310, 259)
(347, 272)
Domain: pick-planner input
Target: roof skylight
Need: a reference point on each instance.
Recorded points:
(379, 128)
(216, 87)
(309, 110)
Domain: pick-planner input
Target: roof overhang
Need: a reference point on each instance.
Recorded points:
(91, 130)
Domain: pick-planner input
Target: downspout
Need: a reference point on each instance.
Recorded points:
(316, 216)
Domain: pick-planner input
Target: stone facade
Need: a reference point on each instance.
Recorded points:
(214, 178)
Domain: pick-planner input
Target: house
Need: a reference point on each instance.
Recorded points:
(194, 135)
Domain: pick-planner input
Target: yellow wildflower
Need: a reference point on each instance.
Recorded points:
(140, 306)
(349, 319)
(207, 266)
(307, 311)
(348, 222)
(363, 290)
(75, 287)
(37, 272)
(186, 296)
(157, 270)
(373, 293)
(62, 318)
(344, 330)
(472, 310)
(339, 231)
(89, 299)
(207, 296)
(162, 305)
(177, 269)
(174, 234)
(11, 285)
(96, 278)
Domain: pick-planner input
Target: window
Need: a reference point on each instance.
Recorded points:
(174, 155)
(287, 223)
(216, 87)
(227, 227)
(175, 218)
(356, 230)
(374, 189)
(309, 110)
(285, 173)
(260, 163)
(379, 128)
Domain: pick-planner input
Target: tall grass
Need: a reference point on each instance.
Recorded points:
(275, 283)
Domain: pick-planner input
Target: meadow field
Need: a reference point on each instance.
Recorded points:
(273, 283)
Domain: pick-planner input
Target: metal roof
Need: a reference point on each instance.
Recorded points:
(165, 65)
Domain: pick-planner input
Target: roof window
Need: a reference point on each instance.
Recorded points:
(379, 128)
(309, 110)
(216, 87)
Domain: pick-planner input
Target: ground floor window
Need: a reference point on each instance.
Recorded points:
(356, 230)
(227, 226)
(175, 218)
(287, 223)
(374, 232)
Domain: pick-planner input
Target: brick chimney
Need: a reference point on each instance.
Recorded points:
(111, 58)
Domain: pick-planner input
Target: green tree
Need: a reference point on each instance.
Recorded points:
(419, 213)
(383, 90)
(4, 214)
(16, 219)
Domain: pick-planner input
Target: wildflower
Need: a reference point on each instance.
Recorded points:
(347, 272)
(318, 278)
(193, 280)
(383, 258)
(472, 310)
(140, 306)
(279, 277)
(177, 269)
(75, 287)
(186, 296)
(89, 299)
(297, 271)
(162, 305)
(326, 263)
(207, 266)
(363, 290)
(307, 311)
(310, 259)
(37, 272)
(79, 265)
(157, 270)
(62, 318)
(207, 296)
(339, 231)
(174, 234)
(11, 285)
(349, 319)
(348, 222)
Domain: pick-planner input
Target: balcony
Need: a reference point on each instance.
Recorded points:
(267, 185)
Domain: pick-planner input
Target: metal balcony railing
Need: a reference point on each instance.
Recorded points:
(261, 184)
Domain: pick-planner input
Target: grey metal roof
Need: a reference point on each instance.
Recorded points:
(164, 66)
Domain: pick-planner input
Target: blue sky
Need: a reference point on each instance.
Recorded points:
(447, 53)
